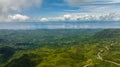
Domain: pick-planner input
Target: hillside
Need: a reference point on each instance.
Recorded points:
(108, 34)
(62, 48)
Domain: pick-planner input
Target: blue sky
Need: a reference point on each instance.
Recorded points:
(59, 10)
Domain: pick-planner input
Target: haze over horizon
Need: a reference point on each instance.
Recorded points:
(60, 25)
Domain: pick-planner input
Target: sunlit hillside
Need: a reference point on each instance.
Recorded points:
(60, 48)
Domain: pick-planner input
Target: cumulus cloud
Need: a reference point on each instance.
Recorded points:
(67, 16)
(17, 17)
(17, 5)
(13, 6)
(85, 17)
(43, 19)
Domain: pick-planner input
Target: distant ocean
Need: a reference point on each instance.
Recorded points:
(60, 25)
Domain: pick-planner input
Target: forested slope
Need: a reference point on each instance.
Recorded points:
(62, 48)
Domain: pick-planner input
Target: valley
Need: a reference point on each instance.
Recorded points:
(60, 48)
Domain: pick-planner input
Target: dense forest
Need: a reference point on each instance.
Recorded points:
(60, 48)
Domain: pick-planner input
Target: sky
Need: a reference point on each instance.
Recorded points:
(59, 10)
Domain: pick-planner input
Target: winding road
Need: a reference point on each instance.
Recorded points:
(87, 65)
(101, 58)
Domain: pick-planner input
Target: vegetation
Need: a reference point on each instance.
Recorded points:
(60, 48)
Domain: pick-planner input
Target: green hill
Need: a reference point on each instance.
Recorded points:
(63, 48)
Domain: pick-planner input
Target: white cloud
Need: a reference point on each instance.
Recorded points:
(44, 19)
(104, 9)
(14, 6)
(88, 2)
(76, 2)
(17, 5)
(95, 6)
(115, 1)
(85, 17)
(17, 17)
(67, 16)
